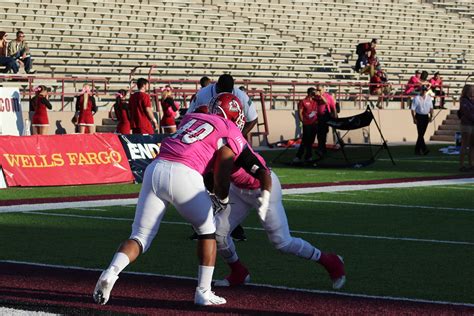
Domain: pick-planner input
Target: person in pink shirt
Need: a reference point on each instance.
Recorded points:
(253, 185)
(175, 177)
(307, 112)
(326, 109)
(437, 87)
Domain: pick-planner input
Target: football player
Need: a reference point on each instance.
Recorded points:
(176, 177)
(251, 188)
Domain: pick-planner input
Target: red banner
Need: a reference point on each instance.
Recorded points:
(63, 160)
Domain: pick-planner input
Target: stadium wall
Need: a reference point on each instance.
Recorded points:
(397, 125)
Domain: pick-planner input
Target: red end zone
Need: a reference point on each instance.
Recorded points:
(69, 291)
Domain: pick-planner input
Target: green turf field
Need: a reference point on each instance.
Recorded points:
(410, 242)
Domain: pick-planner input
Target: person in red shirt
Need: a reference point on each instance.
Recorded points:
(307, 113)
(170, 109)
(39, 105)
(437, 88)
(85, 110)
(122, 113)
(326, 110)
(379, 86)
(141, 111)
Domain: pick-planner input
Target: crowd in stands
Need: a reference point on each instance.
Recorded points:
(15, 54)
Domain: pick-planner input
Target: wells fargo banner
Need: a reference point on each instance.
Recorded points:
(63, 160)
(141, 150)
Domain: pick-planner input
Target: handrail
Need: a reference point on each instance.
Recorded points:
(62, 81)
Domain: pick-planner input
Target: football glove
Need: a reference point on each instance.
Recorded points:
(217, 204)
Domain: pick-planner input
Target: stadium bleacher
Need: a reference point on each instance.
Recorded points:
(254, 40)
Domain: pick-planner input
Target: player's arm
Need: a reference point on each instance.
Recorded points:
(222, 170)
(248, 127)
(248, 161)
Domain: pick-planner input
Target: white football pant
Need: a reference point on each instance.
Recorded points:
(167, 182)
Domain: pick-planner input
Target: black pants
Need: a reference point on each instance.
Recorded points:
(309, 135)
(421, 125)
(322, 133)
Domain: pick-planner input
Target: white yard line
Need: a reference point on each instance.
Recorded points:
(89, 209)
(64, 205)
(358, 187)
(447, 242)
(347, 294)
(379, 204)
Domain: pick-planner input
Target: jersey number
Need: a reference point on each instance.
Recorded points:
(191, 134)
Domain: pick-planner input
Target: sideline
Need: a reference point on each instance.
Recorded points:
(99, 201)
(358, 295)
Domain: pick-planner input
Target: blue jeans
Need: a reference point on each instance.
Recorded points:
(26, 61)
(10, 64)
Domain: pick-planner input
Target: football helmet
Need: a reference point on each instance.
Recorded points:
(228, 106)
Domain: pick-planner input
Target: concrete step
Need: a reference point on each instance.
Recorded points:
(105, 128)
(442, 138)
(452, 116)
(109, 121)
(451, 122)
(449, 127)
(445, 132)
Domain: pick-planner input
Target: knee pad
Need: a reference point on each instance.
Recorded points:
(297, 247)
(206, 236)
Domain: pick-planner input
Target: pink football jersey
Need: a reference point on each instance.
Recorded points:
(197, 139)
(241, 179)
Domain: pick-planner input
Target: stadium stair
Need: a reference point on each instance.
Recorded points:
(447, 130)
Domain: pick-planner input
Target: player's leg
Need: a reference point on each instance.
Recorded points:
(275, 223)
(193, 203)
(226, 221)
(149, 212)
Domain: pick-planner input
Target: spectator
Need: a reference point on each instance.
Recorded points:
(366, 56)
(466, 115)
(170, 109)
(203, 82)
(225, 83)
(85, 110)
(39, 105)
(141, 111)
(122, 113)
(20, 51)
(437, 88)
(326, 109)
(307, 112)
(5, 60)
(422, 113)
(379, 86)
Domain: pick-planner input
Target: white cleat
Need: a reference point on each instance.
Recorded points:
(207, 297)
(339, 283)
(226, 282)
(104, 286)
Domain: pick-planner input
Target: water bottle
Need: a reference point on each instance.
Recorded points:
(457, 139)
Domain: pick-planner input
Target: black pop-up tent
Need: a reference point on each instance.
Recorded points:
(352, 144)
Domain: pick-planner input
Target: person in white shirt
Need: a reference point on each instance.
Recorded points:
(422, 113)
(225, 83)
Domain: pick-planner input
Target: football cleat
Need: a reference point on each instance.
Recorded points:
(334, 265)
(238, 276)
(104, 286)
(206, 297)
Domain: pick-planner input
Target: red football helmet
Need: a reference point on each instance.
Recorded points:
(228, 106)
